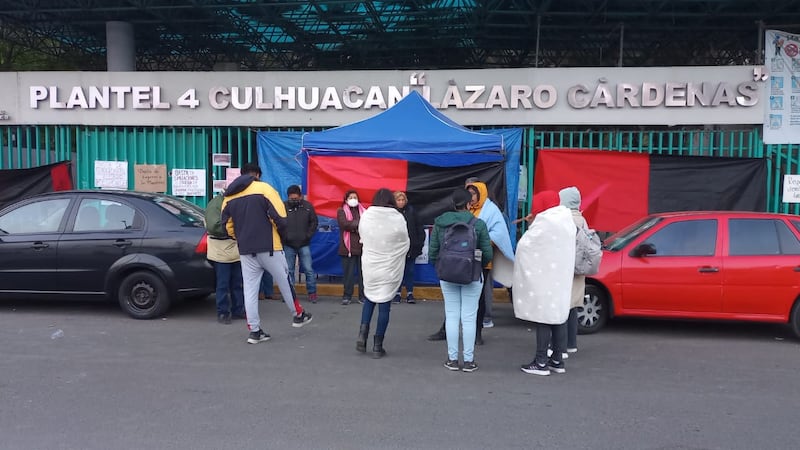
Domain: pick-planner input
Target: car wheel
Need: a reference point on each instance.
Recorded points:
(143, 295)
(593, 315)
(794, 318)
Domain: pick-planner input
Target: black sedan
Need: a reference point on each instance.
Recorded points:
(143, 250)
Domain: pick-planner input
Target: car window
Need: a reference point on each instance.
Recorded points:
(619, 240)
(686, 238)
(96, 214)
(188, 213)
(44, 216)
(762, 237)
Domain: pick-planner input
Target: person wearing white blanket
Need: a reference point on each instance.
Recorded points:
(385, 243)
(544, 266)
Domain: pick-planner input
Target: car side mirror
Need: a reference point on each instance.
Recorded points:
(643, 249)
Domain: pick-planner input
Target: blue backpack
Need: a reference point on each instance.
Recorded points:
(459, 259)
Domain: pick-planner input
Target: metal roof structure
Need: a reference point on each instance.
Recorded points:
(433, 34)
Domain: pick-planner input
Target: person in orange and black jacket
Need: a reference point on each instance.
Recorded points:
(348, 217)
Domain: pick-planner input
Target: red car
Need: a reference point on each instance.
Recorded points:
(699, 265)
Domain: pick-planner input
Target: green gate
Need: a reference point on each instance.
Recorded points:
(192, 147)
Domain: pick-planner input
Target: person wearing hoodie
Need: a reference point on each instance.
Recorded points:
(416, 233)
(302, 224)
(570, 197)
(348, 217)
(254, 215)
(460, 300)
(543, 272)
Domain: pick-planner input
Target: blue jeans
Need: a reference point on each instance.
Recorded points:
(266, 286)
(230, 290)
(408, 277)
(460, 305)
(383, 315)
(305, 265)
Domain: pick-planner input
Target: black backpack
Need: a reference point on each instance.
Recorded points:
(459, 259)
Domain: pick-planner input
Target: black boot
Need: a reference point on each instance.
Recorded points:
(361, 343)
(439, 335)
(377, 347)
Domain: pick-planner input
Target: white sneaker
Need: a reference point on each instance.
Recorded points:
(563, 355)
(488, 323)
(572, 350)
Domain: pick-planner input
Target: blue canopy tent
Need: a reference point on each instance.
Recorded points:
(437, 153)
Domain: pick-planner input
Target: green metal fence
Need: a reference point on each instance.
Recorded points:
(192, 147)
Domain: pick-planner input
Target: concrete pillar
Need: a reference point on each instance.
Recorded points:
(120, 47)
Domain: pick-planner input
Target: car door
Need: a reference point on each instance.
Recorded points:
(101, 231)
(682, 276)
(29, 237)
(762, 267)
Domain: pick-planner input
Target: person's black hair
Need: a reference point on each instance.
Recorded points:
(461, 197)
(384, 197)
(471, 188)
(347, 194)
(251, 169)
(294, 189)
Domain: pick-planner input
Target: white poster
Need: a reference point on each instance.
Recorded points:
(111, 174)
(782, 110)
(791, 189)
(189, 182)
(423, 258)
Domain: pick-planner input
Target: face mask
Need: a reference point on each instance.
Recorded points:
(294, 203)
(352, 202)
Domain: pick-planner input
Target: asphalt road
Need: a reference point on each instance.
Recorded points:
(186, 382)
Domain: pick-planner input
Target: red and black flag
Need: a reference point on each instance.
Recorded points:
(618, 188)
(429, 188)
(16, 184)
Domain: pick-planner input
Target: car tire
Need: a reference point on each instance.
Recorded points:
(594, 313)
(794, 318)
(143, 295)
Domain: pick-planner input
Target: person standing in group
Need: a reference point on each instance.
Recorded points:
(485, 209)
(460, 299)
(254, 215)
(302, 224)
(543, 272)
(416, 233)
(571, 198)
(224, 255)
(348, 217)
(385, 241)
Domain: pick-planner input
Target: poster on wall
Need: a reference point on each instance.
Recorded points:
(150, 177)
(189, 182)
(221, 159)
(791, 189)
(232, 173)
(782, 110)
(111, 174)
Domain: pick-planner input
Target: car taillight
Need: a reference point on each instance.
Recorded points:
(202, 246)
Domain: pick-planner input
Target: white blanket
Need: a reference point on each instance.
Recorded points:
(385, 239)
(544, 266)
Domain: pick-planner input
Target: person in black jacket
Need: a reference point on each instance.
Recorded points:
(416, 234)
(302, 223)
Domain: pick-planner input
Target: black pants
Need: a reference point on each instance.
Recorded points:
(550, 336)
